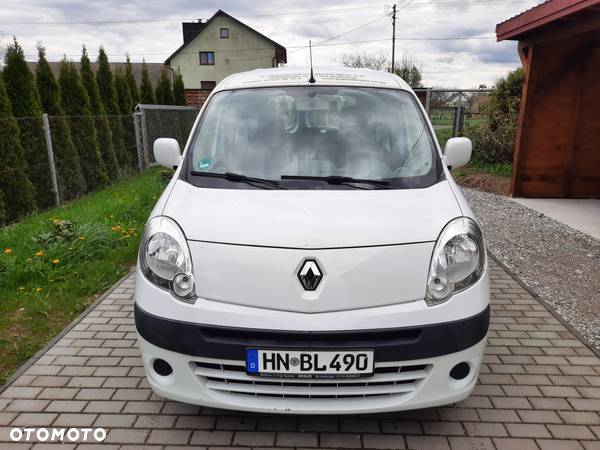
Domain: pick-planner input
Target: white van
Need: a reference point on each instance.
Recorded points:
(312, 253)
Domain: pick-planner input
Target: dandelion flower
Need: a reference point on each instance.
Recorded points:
(56, 261)
(38, 289)
(8, 251)
(40, 253)
(82, 238)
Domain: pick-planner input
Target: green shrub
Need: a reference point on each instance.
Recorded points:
(493, 135)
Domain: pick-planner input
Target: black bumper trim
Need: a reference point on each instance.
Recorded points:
(389, 344)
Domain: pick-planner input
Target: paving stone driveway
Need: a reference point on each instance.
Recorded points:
(539, 388)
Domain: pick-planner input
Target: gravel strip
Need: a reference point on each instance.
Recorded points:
(558, 263)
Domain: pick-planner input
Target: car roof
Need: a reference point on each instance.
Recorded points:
(324, 76)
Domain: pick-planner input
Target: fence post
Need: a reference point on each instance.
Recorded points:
(48, 137)
(457, 120)
(146, 155)
(427, 100)
(138, 143)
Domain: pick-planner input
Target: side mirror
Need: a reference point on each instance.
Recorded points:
(167, 152)
(458, 151)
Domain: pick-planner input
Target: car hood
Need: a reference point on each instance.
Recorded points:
(312, 219)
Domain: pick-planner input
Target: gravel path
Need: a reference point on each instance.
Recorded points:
(558, 263)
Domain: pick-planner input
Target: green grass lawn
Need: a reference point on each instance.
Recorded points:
(53, 264)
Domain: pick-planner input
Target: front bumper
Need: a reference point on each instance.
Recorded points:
(412, 366)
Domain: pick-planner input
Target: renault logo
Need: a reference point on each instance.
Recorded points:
(310, 275)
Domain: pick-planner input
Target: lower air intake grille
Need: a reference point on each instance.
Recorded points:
(389, 379)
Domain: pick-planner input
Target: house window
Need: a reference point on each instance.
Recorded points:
(207, 85)
(224, 33)
(207, 58)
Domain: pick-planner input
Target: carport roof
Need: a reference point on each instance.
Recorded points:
(538, 16)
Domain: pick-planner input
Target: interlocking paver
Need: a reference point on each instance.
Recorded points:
(539, 388)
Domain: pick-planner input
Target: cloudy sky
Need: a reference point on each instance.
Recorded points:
(452, 39)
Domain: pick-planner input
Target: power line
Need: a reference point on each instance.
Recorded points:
(296, 47)
(485, 3)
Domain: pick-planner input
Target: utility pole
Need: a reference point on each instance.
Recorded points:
(393, 37)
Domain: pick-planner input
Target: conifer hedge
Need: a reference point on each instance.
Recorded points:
(76, 103)
(146, 90)
(14, 182)
(66, 157)
(163, 94)
(179, 90)
(108, 95)
(25, 104)
(105, 139)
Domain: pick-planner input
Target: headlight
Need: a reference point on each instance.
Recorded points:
(457, 262)
(165, 258)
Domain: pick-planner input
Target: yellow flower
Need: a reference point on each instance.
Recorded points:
(55, 221)
(40, 253)
(82, 238)
(38, 290)
(56, 261)
(8, 251)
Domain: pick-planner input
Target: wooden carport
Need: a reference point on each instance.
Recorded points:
(557, 148)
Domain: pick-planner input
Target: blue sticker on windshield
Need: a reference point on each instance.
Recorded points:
(204, 163)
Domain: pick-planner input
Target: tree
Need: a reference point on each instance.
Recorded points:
(108, 94)
(146, 90)
(66, 157)
(14, 182)
(133, 89)
(124, 98)
(179, 90)
(105, 140)
(164, 93)
(375, 60)
(126, 109)
(76, 103)
(493, 135)
(25, 103)
(409, 70)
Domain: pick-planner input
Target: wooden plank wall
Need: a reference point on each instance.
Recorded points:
(557, 152)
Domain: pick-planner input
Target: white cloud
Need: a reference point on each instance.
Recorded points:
(448, 63)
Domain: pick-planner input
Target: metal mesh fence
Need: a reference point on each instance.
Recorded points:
(157, 121)
(49, 160)
(451, 110)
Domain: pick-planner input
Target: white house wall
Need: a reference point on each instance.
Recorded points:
(244, 50)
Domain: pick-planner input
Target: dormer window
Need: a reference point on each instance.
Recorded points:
(224, 33)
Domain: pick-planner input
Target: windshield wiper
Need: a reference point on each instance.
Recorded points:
(238, 177)
(335, 179)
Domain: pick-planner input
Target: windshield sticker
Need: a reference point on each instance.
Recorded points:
(204, 163)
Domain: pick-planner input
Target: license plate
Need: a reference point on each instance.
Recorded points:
(304, 363)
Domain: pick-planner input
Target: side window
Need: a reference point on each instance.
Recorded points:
(207, 58)
(224, 33)
(207, 85)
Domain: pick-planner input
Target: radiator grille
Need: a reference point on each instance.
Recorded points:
(388, 379)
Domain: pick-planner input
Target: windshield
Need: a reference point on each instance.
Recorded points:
(314, 131)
